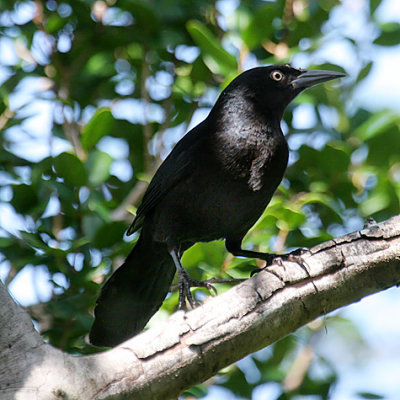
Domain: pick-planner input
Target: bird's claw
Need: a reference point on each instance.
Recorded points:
(209, 286)
(184, 290)
(295, 256)
(299, 252)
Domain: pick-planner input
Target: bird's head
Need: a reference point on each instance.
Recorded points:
(270, 89)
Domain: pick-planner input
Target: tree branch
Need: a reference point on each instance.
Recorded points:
(191, 347)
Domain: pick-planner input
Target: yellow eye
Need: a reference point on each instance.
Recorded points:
(276, 76)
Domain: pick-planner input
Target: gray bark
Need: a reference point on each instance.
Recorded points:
(191, 347)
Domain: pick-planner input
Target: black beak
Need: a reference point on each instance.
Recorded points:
(311, 77)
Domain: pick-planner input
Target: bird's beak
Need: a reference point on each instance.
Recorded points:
(311, 77)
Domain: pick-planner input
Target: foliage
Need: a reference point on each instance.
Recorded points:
(121, 81)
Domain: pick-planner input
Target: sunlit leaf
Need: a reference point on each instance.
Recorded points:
(34, 240)
(100, 125)
(260, 26)
(377, 124)
(69, 167)
(215, 56)
(364, 71)
(370, 396)
(390, 35)
(98, 165)
(54, 23)
(373, 5)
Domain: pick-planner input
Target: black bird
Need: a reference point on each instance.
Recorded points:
(214, 184)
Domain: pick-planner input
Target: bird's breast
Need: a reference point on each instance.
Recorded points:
(257, 159)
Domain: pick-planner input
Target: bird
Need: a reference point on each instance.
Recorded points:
(215, 184)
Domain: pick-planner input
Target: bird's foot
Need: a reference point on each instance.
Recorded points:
(256, 271)
(293, 256)
(185, 283)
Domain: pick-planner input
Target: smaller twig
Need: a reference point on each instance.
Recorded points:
(147, 129)
(71, 130)
(133, 197)
(5, 117)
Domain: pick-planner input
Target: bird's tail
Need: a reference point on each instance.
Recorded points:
(133, 293)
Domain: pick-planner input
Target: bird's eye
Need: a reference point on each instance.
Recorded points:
(277, 76)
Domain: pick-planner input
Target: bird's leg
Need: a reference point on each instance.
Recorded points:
(186, 282)
(235, 248)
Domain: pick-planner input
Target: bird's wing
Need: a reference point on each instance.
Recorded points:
(175, 167)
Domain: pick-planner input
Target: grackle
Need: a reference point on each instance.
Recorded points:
(214, 184)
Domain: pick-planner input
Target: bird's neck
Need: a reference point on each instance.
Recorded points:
(240, 118)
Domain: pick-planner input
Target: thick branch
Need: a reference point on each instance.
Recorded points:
(190, 347)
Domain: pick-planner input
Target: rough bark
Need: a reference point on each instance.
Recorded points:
(191, 347)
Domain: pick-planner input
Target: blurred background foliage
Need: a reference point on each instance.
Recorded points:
(93, 96)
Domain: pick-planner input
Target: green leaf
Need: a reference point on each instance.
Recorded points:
(54, 23)
(97, 204)
(109, 234)
(100, 64)
(383, 149)
(6, 242)
(91, 224)
(370, 396)
(98, 165)
(377, 124)
(236, 382)
(196, 392)
(100, 125)
(34, 240)
(288, 216)
(71, 168)
(64, 192)
(211, 253)
(364, 72)
(328, 162)
(3, 104)
(378, 201)
(373, 5)
(76, 244)
(260, 27)
(331, 214)
(215, 56)
(145, 15)
(24, 198)
(390, 35)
